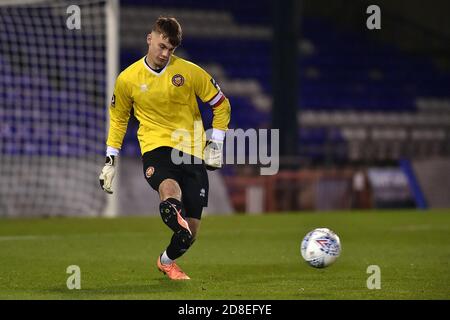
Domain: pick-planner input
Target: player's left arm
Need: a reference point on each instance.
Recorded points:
(207, 89)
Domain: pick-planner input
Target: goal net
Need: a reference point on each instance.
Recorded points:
(57, 64)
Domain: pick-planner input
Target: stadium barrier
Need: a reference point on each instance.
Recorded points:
(306, 189)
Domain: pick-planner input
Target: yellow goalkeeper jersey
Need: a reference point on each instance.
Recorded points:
(165, 105)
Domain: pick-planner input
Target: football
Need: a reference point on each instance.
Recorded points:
(321, 247)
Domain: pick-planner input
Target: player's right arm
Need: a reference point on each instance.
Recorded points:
(119, 114)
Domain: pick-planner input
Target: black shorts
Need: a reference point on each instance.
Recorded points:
(192, 178)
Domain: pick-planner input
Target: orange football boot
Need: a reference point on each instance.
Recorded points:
(172, 270)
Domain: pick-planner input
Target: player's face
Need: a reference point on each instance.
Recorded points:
(159, 49)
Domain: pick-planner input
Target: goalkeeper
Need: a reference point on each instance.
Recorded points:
(162, 88)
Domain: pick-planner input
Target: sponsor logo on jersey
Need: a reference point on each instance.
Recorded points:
(202, 193)
(178, 80)
(149, 172)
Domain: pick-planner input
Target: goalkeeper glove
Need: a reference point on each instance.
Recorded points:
(213, 154)
(107, 175)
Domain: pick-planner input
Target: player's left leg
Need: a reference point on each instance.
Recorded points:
(194, 226)
(195, 188)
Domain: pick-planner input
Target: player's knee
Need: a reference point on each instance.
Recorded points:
(169, 188)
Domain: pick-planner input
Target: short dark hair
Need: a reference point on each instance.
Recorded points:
(169, 28)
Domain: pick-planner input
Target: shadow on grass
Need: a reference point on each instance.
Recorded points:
(212, 281)
(156, 288)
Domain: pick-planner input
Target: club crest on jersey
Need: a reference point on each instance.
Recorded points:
(149, 172)
(178, 80)
(113, 100)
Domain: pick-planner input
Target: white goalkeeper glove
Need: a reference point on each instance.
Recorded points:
(213, 154)
(107, 175)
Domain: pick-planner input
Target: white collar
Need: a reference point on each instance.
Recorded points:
(152, 71)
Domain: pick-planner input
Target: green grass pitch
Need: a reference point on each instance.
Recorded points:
(235, 257)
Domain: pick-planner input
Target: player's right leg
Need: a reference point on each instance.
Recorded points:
(162, 176)
(171, 207)
(172, 214)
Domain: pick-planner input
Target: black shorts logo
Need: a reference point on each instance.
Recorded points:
(149, 172)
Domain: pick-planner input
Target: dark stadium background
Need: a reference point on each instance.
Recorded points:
(354, 106)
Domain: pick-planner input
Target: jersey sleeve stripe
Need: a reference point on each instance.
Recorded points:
(213, 102)
(219, 102)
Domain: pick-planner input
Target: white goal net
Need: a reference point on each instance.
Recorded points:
(56, 65)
